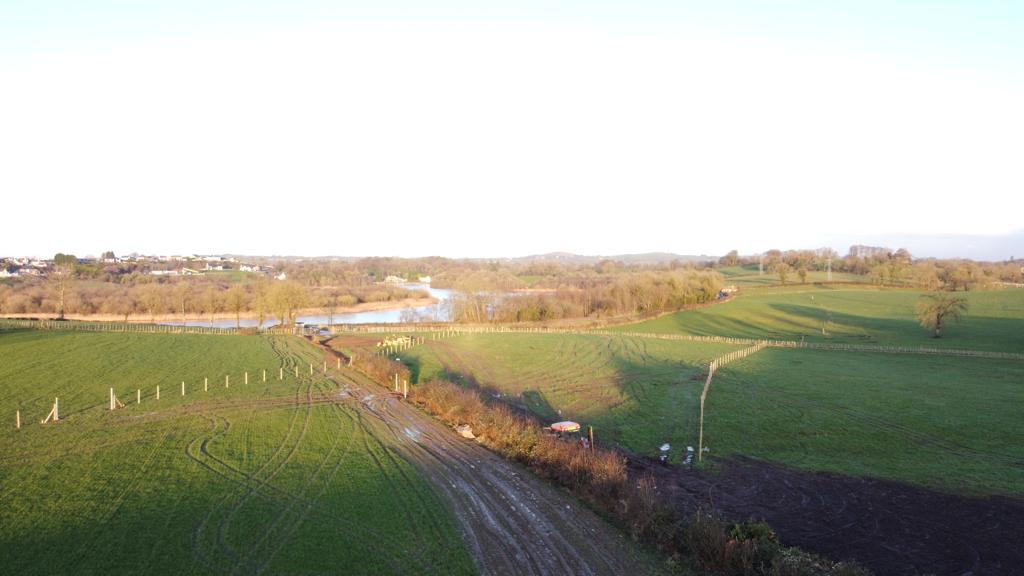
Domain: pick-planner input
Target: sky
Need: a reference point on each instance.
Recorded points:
(484, 129)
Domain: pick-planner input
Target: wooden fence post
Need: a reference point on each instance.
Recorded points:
(247, 377)
(138, 396)
(280, 375)
(182, 387)
(17, 419)
(206, 384)
(227, 380)
(157, 392)
(264, 374)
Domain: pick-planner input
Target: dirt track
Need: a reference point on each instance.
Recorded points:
(893, 528)
(513, 522)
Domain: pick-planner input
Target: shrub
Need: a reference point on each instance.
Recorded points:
(600, 477)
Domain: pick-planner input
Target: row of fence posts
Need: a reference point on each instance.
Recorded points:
(455, 330)
(388, 348)
(712, 368)
(114, 403)
(111, 327)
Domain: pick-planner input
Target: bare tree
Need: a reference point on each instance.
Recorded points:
(152, 300)
(182, 298)
(286, 299)
(211, 302)
(61, 277)
(783, 270)
(235, 300)
(331, 303)
(260, 301)
(936, 308)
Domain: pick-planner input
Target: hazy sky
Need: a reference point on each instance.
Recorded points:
(486, 129)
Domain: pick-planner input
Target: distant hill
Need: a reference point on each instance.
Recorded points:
(646, 259)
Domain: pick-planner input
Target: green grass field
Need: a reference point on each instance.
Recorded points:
(946, 422)
(636, 392)
(749, 276)
(246, 479)
(851, 315)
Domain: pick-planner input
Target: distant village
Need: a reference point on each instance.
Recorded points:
(192, 265)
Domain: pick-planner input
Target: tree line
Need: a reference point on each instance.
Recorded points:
(188, 298)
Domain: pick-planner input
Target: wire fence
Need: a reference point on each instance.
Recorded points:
(456, 329)
(70, 325)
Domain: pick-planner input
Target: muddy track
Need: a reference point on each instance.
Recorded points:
(512, 522)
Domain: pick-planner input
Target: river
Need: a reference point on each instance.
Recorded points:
(440, 312)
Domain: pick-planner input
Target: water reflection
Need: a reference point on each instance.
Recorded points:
(440, 312)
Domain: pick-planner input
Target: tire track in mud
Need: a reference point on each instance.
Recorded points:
(366, 537)
(294, 509)
(269, 474)
(240, 497)
(512, 522)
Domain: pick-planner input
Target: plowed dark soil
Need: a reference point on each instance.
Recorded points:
(890, 527)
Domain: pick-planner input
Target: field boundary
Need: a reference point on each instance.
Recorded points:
(79, 326)
(476, 329)
(59, 325)
(137, 328)
(717, 363)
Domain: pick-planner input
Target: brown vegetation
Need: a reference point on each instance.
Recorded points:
(600, 476)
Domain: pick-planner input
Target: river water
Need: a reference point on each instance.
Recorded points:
(440, 312)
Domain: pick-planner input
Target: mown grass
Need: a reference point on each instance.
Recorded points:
(245, 479)
(851, 315)
(949, 423)
(636, 392)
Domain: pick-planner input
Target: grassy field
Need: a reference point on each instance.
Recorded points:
(949, 423)
(749, 276)
(637, 393)
(852, 315)
(248, 479)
